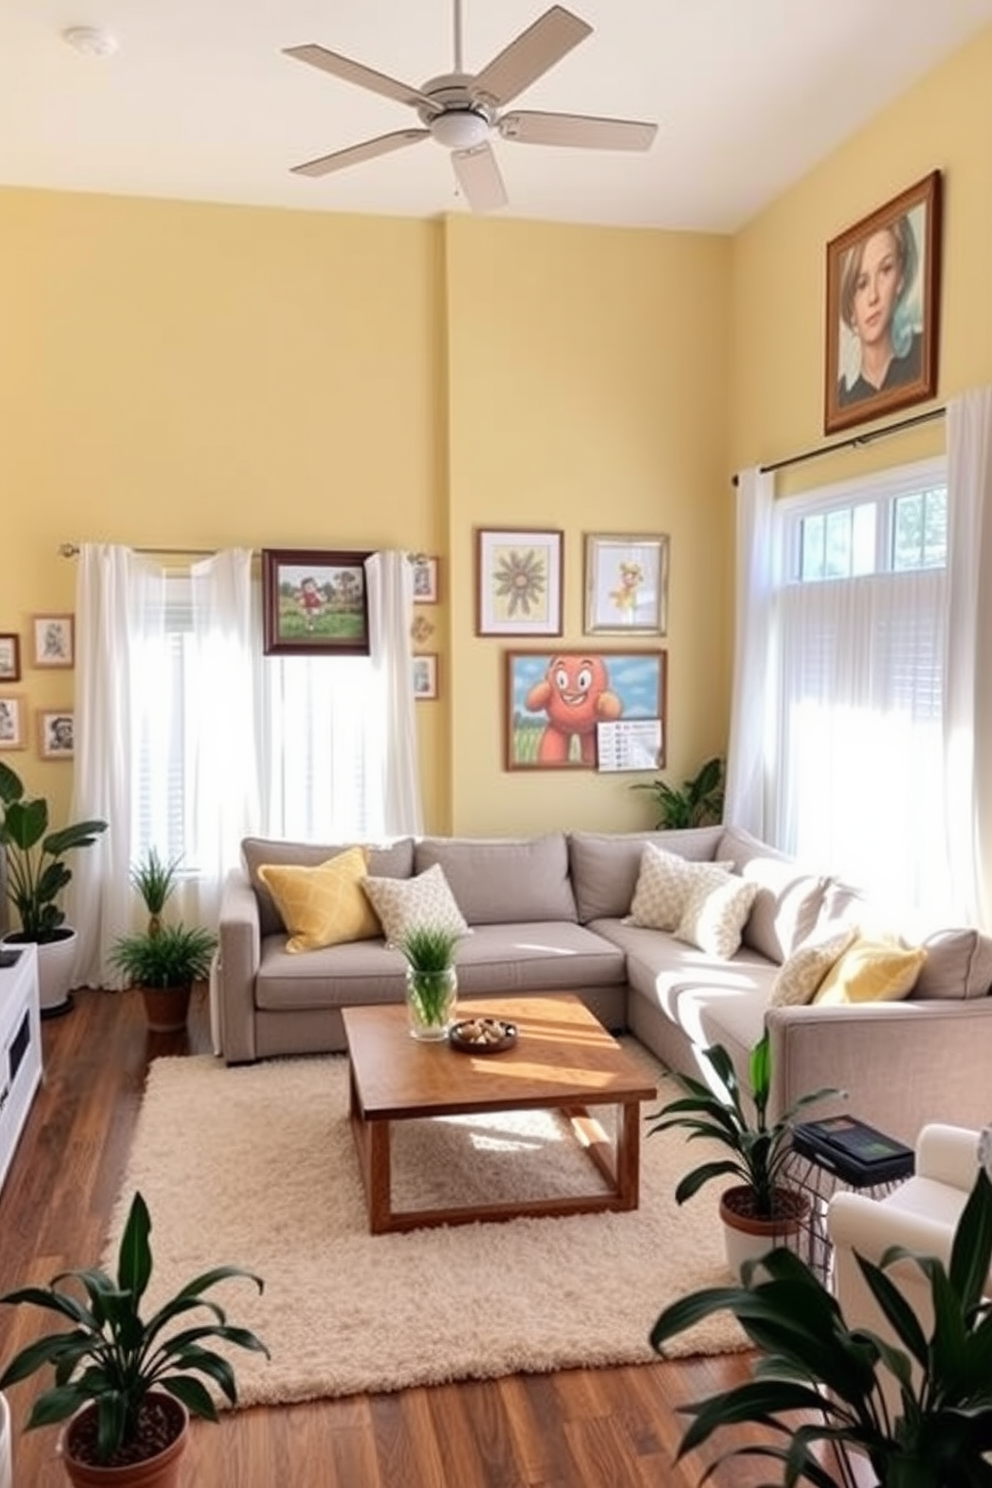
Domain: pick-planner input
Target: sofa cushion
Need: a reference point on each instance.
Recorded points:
(325, 905)
(664, 885)
(715, 910)
(605, 865)
(958, 965)
(405, 904)
(499, 881)
(389, 860)
(788, 901)
(872, 971)
(800, 976)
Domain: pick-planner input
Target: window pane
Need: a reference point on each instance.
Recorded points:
(907, 532)
(837, 563)
(864, 557)
(811, 548)
(935, 529)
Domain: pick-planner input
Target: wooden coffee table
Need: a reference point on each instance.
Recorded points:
(564, 1060)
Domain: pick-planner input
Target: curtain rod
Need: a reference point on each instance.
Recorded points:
(71, 550)
(854, 442)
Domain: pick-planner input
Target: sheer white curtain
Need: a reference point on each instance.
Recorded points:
(968, 685)
(389, 576)
(748, 761)
(120, 609)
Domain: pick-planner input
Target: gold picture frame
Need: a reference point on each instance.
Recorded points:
(626, 579)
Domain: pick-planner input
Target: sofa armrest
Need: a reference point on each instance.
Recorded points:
(240, 956)
(948, 1154)
(902, 1064)
(856, 1223)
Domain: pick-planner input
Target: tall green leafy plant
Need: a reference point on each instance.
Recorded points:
(35, 858)
(813, 1363)
(759, 1148)
(698, 802)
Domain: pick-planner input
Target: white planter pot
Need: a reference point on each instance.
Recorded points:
(56, 964)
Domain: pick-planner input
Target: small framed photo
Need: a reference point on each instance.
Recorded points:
(314, 603)
(54, 640)
(557, 702)
(10, 658)
(519, 582)
(883, 304)
(626, 584)
(12, 715)
(56, 733)
(424, 580)
(425, 677)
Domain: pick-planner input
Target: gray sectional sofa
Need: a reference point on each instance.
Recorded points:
(551, 914)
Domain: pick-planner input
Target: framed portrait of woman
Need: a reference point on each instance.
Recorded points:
(883, 309)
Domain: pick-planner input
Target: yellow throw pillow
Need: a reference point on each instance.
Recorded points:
(872, 971)
(325, 905)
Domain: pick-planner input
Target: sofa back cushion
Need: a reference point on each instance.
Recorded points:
(788, 899)
(605, 865)
(958, 965)
(394, 860)
(503, 880)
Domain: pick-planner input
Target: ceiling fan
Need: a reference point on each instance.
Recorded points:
(461, 109)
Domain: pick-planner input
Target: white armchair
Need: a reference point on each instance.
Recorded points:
(921, 1214)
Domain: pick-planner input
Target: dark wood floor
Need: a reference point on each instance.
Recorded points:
(597, 1428)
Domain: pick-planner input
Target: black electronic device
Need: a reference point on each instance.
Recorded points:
(859, 1154)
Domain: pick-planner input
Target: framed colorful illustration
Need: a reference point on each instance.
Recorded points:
(12, 714)
(519, 582)
(10, 658)
(425, 677)
(626, 584)
(314, 603)
(54, 641)
(883, 309)
(555, 701)
(424, 579)
(56, 733)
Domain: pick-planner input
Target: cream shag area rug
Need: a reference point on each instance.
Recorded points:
(255, 1167)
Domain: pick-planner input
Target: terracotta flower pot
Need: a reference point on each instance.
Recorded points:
(166, 1008)
(171, 1421)
(749, 1237)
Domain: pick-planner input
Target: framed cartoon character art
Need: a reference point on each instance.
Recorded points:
(314, 603)
(555, 702)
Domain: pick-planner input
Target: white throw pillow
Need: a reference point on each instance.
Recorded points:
(663, 886)
(404, 904)
(802, 973)
(715, 912)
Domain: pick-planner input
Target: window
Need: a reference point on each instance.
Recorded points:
(857, 654)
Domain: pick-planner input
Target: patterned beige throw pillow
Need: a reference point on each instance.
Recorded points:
(802, 973)
(715, 912)
(404, 904)
(663, 885)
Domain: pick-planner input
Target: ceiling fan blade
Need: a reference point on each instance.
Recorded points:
(479, 177)
(533, 53)
(355, 154)
(357, 72)
(581, 131)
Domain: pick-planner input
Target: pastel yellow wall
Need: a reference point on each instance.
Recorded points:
(587, 392)
(197, 376)
(944, 123)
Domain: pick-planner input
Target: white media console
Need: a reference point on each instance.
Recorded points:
(20, 1044)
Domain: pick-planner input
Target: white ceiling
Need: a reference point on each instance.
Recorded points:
(200, 103)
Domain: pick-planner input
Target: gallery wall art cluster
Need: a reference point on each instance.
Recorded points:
(51, 646)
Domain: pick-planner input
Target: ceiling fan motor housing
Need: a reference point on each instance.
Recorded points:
(459, 120)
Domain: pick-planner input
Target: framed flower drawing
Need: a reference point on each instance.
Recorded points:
(519, 582)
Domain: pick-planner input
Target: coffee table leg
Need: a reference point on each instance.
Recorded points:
(629, 1156)
(379, 1179)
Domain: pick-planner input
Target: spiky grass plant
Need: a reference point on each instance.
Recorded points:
(429, 950)
(155, 881)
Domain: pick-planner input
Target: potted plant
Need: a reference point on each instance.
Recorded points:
(762, 1208)
(431, 980)
(812, 1362)
(164, 965)
(129, 1382)
(696, 803)
(36, 874)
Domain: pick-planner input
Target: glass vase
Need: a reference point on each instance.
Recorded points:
(430, 1002)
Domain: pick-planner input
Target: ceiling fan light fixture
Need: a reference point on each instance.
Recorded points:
(91, 41)
(459, 129)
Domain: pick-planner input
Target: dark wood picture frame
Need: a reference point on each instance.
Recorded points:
(883, 309)
(314, 602)
(539, 735)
